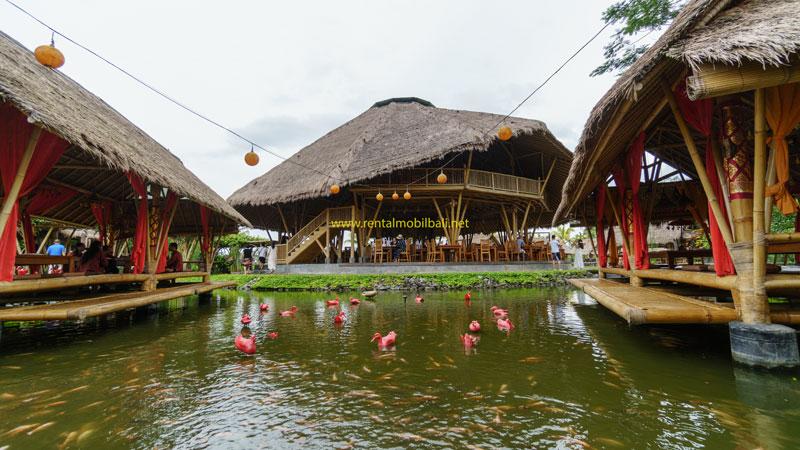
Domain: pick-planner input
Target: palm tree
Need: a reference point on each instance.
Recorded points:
(563, 233)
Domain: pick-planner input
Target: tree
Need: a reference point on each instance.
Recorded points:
(636, 16)
(563, 233)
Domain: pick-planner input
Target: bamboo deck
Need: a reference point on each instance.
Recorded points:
(81, 309)
(641, 305)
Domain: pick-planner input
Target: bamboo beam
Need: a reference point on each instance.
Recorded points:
(772, 178)
(469, 166)
(547, 178)
(79, 166)
(525, 218)
(782, 237)
(698, 164)
(505, 219)
(13, 194)
(591, 238)
(758, 311)
(164, 233)
(723, 182)
(283, 219)
(44, 241)
(353, 234)
(439, 211)
(374, 218)
(715, 80)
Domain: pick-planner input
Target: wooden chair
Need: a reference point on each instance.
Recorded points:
(503, 253)
(435, 253)
(380, 252)
(485, 250)
(467, 252)
(408, 254)
(514, 252)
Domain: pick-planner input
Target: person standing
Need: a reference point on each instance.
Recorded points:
(247, 259)
(56, 249)
(578, 264)
(262, 256)
(556, 251)
(272, 259)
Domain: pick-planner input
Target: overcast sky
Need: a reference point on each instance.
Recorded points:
(286, 73)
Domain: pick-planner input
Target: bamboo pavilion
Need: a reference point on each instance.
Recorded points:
(403, 160)
(713, 106)
(71, 159)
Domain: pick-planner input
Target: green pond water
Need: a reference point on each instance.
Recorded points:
(570, 375)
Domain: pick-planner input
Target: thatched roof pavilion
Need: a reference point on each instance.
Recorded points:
(103, 145)
(756, 32)
(394, 146)
(703, 100)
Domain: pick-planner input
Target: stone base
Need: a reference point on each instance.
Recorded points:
(769, 346)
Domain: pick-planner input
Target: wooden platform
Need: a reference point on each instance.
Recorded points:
(81, 309)
(641, 305)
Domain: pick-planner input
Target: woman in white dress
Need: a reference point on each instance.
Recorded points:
(578, 264)
(272, 259)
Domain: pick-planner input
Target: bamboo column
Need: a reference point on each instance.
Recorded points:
(757, 311)
(698, 164)
(617, 218)
(353, 234)
(13, 194)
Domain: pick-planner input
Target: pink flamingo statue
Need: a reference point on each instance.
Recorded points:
(339, 318)
(385, 341)
(504, 324)
(273, 335)
(246, 320)
(468, 296)
(333, 302)
(419, 299)
(290, 312)
(354, 301)
(499, 312)
(475, 326)
(246, 344)
(263, 306)
(469, 341)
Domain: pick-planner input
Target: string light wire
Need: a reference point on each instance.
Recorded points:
(271, 152)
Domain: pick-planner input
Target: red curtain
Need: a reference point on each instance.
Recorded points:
(138, 252)
(633, 164)
(600, 195)
(44, 200)
(172, 199)
(205, 243)
(699, 114)
(619, 180)
(102, 214)
(15, 130)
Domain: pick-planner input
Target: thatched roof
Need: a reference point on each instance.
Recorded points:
(391, 135)
(764, 31)
(721, 31)
(99, 134)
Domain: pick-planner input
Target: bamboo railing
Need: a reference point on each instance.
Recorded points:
(456, 177)
(322, 219)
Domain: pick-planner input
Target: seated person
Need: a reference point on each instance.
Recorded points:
(520, 250)
(112, 261)
(93, 260)
(175, 261)
(400, 247)
(80, 247)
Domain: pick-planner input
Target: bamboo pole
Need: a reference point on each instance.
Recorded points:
(547, 178)
(772, 178)
(758, 310)
(591, 238)
(164, 233)
(283, 219)
(43, 245)
(716, 80)
(353, 234)
(13, 194)
(723, 182)
(439, 211)
(466, 172)
(698, 164)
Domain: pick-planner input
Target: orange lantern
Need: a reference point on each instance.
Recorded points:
(335, 189)
(379, 197)
(49, 56)
(407, 195)
(395, 196)
(251, 158)
(442, 178)
(504, 133)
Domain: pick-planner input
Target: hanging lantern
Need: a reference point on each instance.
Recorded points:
(379, 197)
(504, 133)
(49, 56)
(395, 196)
(407, 195)
(251, 158)
(335, 189)
(442, 178)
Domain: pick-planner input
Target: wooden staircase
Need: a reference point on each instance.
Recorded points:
(314, 238)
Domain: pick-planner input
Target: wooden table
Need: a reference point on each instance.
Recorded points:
(690, 255)
(35, 259)
(452, 250)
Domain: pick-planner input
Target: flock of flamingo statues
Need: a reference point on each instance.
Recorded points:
(245, 341)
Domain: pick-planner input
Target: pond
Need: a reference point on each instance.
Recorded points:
(569, 375)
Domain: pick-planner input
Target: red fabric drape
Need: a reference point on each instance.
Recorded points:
(619, 180)
(102, 214)
(44, 200)
(138, 252)
(15, 131)
(633, 164)
(600, 195)
(205, 242)
(699, 114)
(172, 199)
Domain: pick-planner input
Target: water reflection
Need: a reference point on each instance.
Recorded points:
(568, 374)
